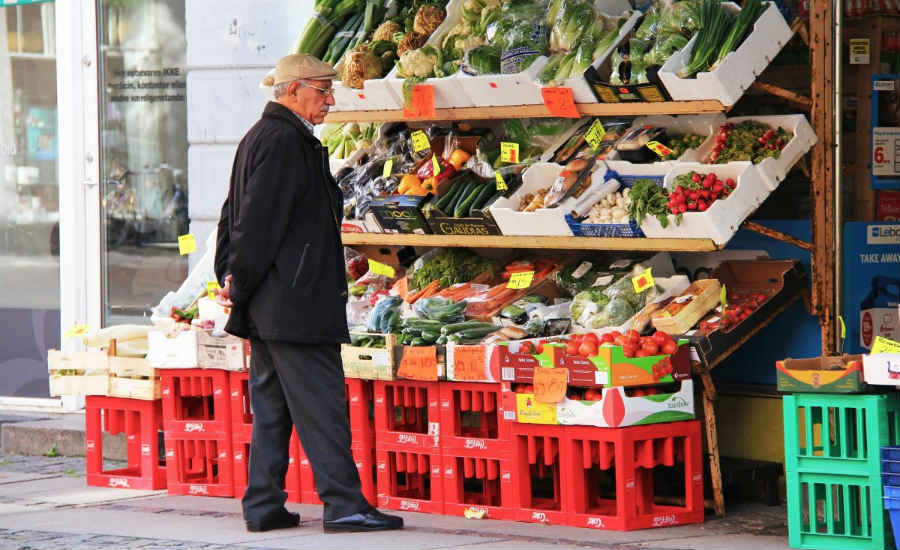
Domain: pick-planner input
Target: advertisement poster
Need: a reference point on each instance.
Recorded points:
(871, 283)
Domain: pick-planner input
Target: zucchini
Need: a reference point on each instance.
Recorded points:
(456, 327)
(463, 207)
(481, 198)
(430, 336)
(418, 341)
(461, 197)
(449, 195)
(475, 332)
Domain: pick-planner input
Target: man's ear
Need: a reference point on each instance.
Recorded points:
(292, 89)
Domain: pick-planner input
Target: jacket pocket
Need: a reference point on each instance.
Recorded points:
(300, 265)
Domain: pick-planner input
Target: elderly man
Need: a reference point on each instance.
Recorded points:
(280, 260)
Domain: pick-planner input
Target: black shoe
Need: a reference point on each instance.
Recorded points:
(282, 520)
(367, 520)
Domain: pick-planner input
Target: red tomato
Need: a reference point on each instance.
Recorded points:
(634, 336)
(669, 347)
(642, 353)
(587, 349)
(607, 338)
(620, 340)
(629, 350)
(528, 388)
(592, 338)
(572, 348)
(526, 347)
(650, 347)
(659, 337)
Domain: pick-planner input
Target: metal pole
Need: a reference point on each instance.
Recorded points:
(837, 6)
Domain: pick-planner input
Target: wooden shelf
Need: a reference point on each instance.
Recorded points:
(537, 111)
(513, 242)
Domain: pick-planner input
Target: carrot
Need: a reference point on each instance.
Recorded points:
(428, 290)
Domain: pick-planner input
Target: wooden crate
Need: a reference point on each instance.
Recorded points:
(78, 372)
(133, 378)
(705, 294)
(371, 363)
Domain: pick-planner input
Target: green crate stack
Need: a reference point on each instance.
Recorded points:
(833, 468)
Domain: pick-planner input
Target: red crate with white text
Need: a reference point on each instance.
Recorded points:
(202, 467)
(540, 479)
(363, 457)
(471, 419)
(407, 416)
(241, 456)
(409, 481)
(478, 486)
(196, 403)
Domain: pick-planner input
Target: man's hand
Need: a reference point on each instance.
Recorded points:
(223, 295)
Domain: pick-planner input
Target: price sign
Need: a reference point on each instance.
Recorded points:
(560, 102)
(381, 269)
(509, 152)
(187, 244)
(886, 152)
(421, 103)
(885, 345)
(76, 330)
(501, 184)
(418, 363)
(521, 279)
(723, 297)
(420, 141)
(594, 135)
(550, 384)
(435, 165)
(211, 288)
(859, 51)
(643, 281)
(388, 168)
(659, 148)
(469, 363)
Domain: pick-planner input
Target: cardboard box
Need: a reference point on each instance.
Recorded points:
(614, 369)
(225, 352)
(616, 409)
(173, 349)
(371, 363)
(836, 374)
(882, 369)
(401, 214)
(478, 224)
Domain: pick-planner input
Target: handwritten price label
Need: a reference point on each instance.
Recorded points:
(381, 269)
(187, 244)
(211, 288)
(594, 135)
(885, 345)
(643, 281)
(520, 280)
(76, 330)
(420, 141)
(501, 184)
(388, 168)
(421, 104)
(509, 152)
(419, 363)
(468, 363)
(659, 148)
(560, 102)
(550, 384)
(435, 165)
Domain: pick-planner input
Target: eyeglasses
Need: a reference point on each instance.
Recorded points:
(323, 91)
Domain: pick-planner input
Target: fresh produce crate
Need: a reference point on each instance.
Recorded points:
(617, 409)
(363, 458)
(543, 221)
(702, 125)
(835, 511)
(371, 363)
(176, 349)
(241, 469)
(497, 90)
(730, 78)
(133, 378)
(628, 459)
(724, 216)
(882, 369)
(890, 452)
(401, 214)
(774, 170)
(781, 281)
(478, 224)
(839, 434)
(78, 372)
(375, 95)
(826, 374)
(480, 486)
(410, 481)
(541, 480)
(225, 352)
(471, 420)
(407, 415)
(621, 230)
(701, 296)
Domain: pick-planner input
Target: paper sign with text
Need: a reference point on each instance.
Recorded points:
(381, 269)
(560, 101)
(643, 281)
(520, 280)
(501, 184)
(509, 152)
(388, 167)
(885, 345)
(420, 141)
(469, 363)
(187, 244)
(594, 135)
(421, 104)
(550, 384)
(419, 363)
(211, 288)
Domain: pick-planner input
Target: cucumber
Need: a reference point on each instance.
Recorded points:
(456, 327)
(418, 342)
(463, 207)
(447, 197)
(476, 332)
(430, 336)
(464, 192)
(481, 198)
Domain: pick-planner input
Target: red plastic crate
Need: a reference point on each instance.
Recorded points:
(407, 416)
(360, 395)
(478, 484)
(410, 481)
(141, 422)
(201, 467)
(241, 414)
(363, 456)
(611, 475)
(196, 403)
(472, 420)
(540, 480)
(241, 456)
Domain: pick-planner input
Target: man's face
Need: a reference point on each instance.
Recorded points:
(313, 98)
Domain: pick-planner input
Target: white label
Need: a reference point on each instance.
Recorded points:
(878, 321)
(582, 269)
(883, 85)
(508, 373)
(683, 299)
(712, 319)
(603, 280)
(886, 152)
(883, 234)
(601, 377)
(509, 415)
(621, 264)
(691, 332)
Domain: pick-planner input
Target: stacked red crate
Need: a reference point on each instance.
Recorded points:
(540, 478)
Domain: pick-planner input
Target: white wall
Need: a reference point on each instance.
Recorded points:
(231, 45)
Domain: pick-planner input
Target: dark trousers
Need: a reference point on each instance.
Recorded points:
(300, 385)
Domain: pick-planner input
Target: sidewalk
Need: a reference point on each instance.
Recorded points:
(45, 504)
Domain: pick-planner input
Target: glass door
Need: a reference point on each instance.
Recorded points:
(143, 153)
(29, 198)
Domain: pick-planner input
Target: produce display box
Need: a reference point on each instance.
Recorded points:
(772, 170)
(478, 224)
(703, 125)
(882, 369)
(224, 352)
(78, 372)
(133, 378)
(367, 225)
(705, 294)
(375, 95)
(543, 221)
(728, 81)
(176, 349)
(371, 363)
(630, 230)
(784, 279)
(723, 218)
(401, 214)
(616, 409)
(826, 374)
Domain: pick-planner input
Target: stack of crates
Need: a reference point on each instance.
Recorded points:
(890, 476)
(833, 464)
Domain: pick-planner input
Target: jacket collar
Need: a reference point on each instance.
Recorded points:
(276, 110)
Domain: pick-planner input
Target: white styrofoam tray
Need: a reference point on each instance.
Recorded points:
(721, 220)
(775, 170)
(703, 125)
(882, 369)
(731, 78)
(543, 221)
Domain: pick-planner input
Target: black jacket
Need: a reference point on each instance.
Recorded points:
(279, 236)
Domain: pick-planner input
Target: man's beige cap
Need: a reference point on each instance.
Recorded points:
(298, 66)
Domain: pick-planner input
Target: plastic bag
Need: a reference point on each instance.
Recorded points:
(521, 34)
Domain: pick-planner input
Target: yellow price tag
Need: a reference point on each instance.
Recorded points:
(509, 152)
(211, 288)
(843, 327)
(435, 165)
(388, 167)
(594, 135)
(659, 148)
(76, 330)
(643, 281)
(520, 280)
(420, 141)
(885, 345)
(723, 297)
(501, 184)
(381, 269)
(186, 244)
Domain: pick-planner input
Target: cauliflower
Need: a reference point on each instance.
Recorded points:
(411, 41)
(471, 41)
(386, 31)
(428, 18)
(360, 64)
(418, 63)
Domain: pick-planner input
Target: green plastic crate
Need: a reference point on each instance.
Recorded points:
(839, 434)
(827, 511)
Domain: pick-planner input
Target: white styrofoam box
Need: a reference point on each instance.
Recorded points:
(543, 221)
(775, 170)
(210, 93)
(448, 91)
(210, 310)
(494, 90)
(703, 125)
(723, 218)
(375, 95)
(731, 78)
(882, 369)
(209, 172)
(242, 33)
(172, 349)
